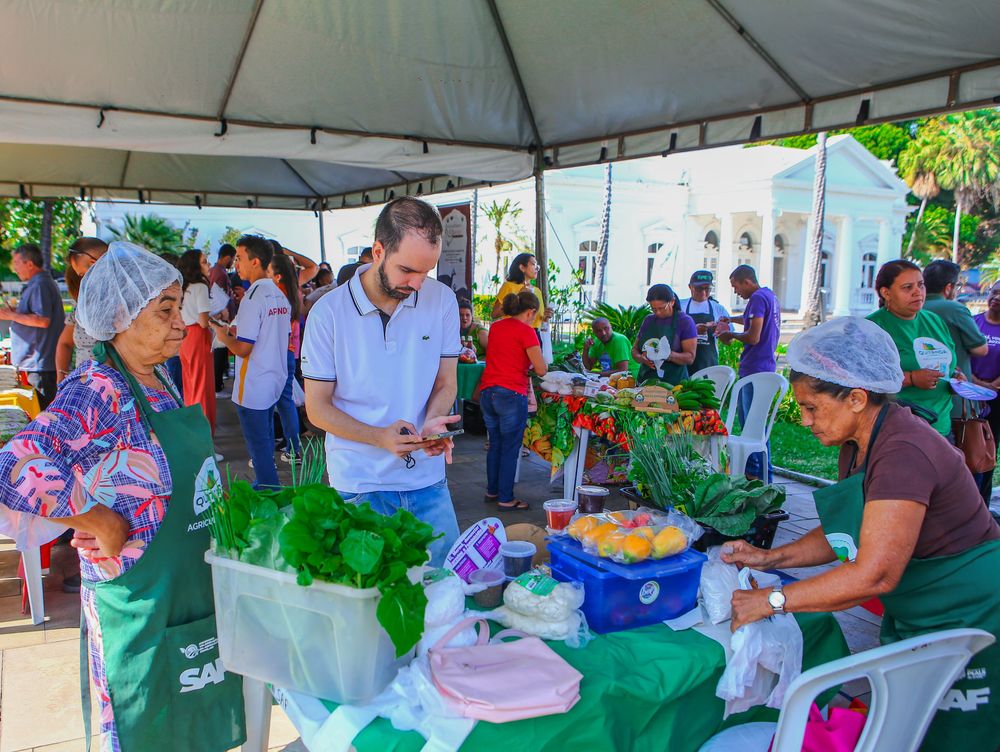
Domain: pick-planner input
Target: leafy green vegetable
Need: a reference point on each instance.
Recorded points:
(730, 504)
(665, 465)
(362, 550)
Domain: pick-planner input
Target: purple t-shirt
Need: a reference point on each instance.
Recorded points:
(987, 367)
(684, 328)
(759, 358)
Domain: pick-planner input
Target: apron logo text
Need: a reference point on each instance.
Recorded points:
(193, 650)
(194, 679)
(967, 702)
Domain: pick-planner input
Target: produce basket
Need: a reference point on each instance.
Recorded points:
(760, 534)
(323, 640)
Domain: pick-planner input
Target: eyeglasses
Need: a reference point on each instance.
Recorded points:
(88, 254)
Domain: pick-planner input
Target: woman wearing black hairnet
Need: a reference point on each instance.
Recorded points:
(120, 459)
(905, 519)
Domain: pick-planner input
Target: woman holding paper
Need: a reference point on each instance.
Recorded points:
(667, 340)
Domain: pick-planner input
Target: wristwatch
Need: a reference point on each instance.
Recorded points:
(777, 599)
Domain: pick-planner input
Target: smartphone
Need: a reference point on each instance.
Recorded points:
(219, 322)
(444, 435)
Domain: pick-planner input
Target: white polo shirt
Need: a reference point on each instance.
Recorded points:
(263, 320)
(383, 374)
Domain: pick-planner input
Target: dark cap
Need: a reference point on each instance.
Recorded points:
(702, 277)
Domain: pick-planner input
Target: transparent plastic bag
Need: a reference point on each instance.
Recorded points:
(634, 535)
(538, 605)
(718, 582)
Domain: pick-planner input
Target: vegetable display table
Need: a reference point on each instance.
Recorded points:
(469, 375)
(560, 432)
(645, 688)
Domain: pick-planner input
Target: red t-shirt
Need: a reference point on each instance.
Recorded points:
(507, 360)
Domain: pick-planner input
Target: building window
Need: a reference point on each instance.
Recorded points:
(651, 250)
(353, 253)
(868, 268)
(824, 269)
(711, 239)
(779, 245)
(746, 243)
(587, 263)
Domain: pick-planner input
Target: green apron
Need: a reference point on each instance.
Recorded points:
(166, 682)
(673, 373)
(944, 592)
(707, 353)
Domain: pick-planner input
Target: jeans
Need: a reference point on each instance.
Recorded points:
(175, 371)
(258, 432)
(505, 414)
(431, 505)
(289, 413)
(755, 461)
(44, 383)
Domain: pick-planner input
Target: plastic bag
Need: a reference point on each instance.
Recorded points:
(298, 396)
(538, 605)
(632, 536)
(718, 582)
(445, 593)
(766, 659)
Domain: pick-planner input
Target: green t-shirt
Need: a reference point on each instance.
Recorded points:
(923, 342)
(616, 350)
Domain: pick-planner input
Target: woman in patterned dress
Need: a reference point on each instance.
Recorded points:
(90, 461)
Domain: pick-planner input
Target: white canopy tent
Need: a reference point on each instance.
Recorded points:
(336, 103)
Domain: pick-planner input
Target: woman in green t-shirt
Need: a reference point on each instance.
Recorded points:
(926, 349)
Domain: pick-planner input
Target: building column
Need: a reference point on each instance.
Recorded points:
(765, 274)
(845, 265)
(885, 252)
(724, 290)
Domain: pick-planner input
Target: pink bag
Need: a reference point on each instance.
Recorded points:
(503, 681)
(839, 733)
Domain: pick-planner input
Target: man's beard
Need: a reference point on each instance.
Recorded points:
(388, 290)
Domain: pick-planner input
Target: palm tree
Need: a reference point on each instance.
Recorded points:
(151, 232)
(602, 246)
(813, 303)
(500, 215)
(916, 166)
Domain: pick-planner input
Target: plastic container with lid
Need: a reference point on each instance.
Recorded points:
(494, 581)
(626, 596)
(592, 498)
(517, 557)
(558, 513)
(323, 640)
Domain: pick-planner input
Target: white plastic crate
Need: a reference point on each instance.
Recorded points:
(323, 640)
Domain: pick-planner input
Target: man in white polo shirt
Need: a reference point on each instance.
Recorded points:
(380, 362)
(263, 326)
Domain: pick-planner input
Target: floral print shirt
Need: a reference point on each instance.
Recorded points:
(91, 447)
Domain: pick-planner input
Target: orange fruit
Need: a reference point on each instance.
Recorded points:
(620, 517)
(636, 548)
(592, 537)
(581, 525)
(646, 532)
(668, 542)
(611, 544)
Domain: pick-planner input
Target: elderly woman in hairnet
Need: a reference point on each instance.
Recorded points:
(905, 520)
(119, 458)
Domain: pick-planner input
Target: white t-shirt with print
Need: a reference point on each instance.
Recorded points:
(196, 301)
(383, 373)
(263, 320)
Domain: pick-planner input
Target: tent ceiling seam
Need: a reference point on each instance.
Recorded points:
(759, 49)
(515, 72)
(264, 125)
(128, 158)
(302, 180)
(231, 83)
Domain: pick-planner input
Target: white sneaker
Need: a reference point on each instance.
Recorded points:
(287, 458)
(219, 457)
(250, 463)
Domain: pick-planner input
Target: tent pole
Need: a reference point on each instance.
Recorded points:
(540, 253)
(322, 238)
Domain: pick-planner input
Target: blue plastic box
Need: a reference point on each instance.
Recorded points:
(626, 596)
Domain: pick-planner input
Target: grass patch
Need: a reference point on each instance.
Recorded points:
(793, 447)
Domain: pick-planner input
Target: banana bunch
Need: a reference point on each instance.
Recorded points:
(696, 394)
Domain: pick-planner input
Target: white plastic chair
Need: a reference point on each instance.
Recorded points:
(31, 558)
(908, 680)
(722, 376)
(768, 391)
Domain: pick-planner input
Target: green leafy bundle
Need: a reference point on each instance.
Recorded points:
(665, 466)
(245, 524)
(730, 505)
(350, 544)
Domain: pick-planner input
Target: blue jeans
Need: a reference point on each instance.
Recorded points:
(755, 462)
(431, 504)
(505, 414)
(258, 432)
(289, 413)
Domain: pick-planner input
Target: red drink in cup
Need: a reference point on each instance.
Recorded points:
(559, 512)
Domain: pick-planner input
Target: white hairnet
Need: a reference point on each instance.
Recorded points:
(118, 286)
(849, 351)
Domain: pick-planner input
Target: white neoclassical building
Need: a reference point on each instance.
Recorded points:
(720, 208)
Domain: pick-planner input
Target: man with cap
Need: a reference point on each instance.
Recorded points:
(709, 315)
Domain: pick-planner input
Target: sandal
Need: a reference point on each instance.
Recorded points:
(514, 504)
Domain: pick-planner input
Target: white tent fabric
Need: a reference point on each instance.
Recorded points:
(306, 103)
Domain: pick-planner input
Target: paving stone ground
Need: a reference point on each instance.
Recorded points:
(39, 679)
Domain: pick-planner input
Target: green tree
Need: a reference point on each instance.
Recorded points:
(885, 141)
(156, 234)
(22, 221)
(230, 236)
(503, 217)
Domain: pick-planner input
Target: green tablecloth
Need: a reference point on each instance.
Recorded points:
(469, 375)
(649, 688)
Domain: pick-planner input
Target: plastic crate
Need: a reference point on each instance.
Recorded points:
(323, 640)
(626, 596)
(760, 534)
